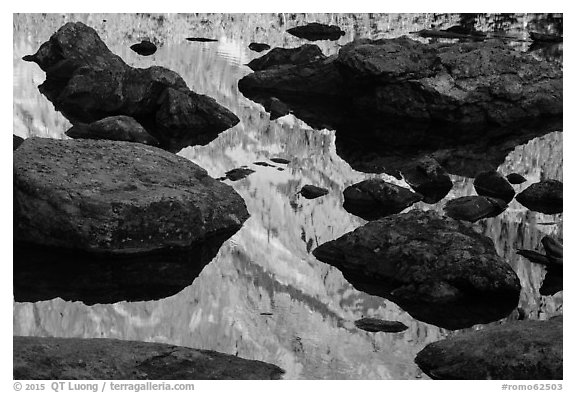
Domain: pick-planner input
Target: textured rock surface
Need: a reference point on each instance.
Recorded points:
(379, 325)
(545, 197)
(87, 82)
(115, 128)
(375, 198)
(474, 208)
(316, 31)
(493, 184)
(464, 83)
(439, 270)
(515, 350)
(117, 197)
(287, 56)
(427, 177)
(100, 358)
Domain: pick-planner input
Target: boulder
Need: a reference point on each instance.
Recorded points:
(439, 270)
(17, 141)
(110, 359)
(117, 198)
(427, 177)
(115, 128)
(467, 83)
(283, 56)
(258, 47)
(544, 197)
(316, 32)
(515, 178)
(312, 192)
(474, 208)
(144, 48)
(493, 184)
(87, 82)
(378, 325)
(280, 160)
(375, 198)
(277, 108)
(201, 39)
(238, 173)
(529, 350)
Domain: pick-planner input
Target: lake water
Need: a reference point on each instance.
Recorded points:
(267, 267)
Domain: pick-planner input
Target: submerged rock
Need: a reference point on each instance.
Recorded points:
(379, 325)
(528, 350)
(284, 56)
(279, 160)
(311, 192)
(144, 48)
(316, 32)
(544, 197)
(238, 173)
(104, 358)
(116, 197)
(87, 82)
(258, 47)
(115, 128)
(427, 177)
(17, 141)
(375, 198)
(464, 83)
(439, 270)
(493, 184)
(474, 208)
(515, 178)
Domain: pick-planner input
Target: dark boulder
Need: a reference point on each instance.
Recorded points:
(258, 47)
(238, 173)
(201, 39)
(439, 270)
(87, 82)
(529, 350)
(144, 48)
(316, 32)
(515, 178)
(544, 197)
(546, 38)
(117, 198)
(283, 56)
(312, 192)
(115, 128)
(277, 108)
(280, 160)
(110, 359)
(375, 198)
(17, 141)
(427, 177)
(474, 208)
(493, 184)
(378, 325)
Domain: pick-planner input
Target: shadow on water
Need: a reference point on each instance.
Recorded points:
(42, 273)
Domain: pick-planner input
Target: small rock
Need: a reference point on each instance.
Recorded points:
(375, 198)
(515, 178)
(427, 177)
(201, 39)
(528, 350)
(262, 163)
(544, 197)
(312, 192)
(493, 184)
(144, 48)
(292, 56)
(474, 208)
(279, 160)
(17, 141)
(316, 32)
(380, 325)
(258, 47)
(115, 128)
(238, 173)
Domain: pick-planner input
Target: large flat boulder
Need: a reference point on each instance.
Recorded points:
(545, 196)
(514, 350)
(102, 358)
(116, 198)
(439, 270)
(87, 82)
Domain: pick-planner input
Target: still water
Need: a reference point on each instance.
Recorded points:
(267, 267)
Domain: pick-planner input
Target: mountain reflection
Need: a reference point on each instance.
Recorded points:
(267, 267)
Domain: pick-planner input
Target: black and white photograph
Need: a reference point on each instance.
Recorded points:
(287, 196)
